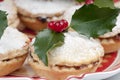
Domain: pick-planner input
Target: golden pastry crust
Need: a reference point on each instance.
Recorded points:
(55, 74)
(110, 44)
(12, 15)
(9, 65)
(15, 23)
(33, 23)
(13, 60)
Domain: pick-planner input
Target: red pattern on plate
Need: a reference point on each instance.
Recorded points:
(107, 61)
(76, 77)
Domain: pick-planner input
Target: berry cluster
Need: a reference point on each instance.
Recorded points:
(58, 26)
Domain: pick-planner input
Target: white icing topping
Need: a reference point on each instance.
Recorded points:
(68, 13)
(76, 49)
(12, 39)
(45, 7)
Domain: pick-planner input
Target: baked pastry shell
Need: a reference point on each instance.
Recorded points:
(57, 74)
(110, 45)
(8, 66)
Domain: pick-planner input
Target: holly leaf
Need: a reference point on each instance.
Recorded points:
(93, 21)
(104, 3)
(3, 22)
(45, 41)
(80, 0)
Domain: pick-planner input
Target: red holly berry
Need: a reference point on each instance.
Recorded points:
(89, 1)
(51, 25)
(115, 0)
(58, 26)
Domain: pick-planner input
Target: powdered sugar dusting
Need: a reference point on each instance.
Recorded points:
(12, 39)
(76, 48)
(45, 7)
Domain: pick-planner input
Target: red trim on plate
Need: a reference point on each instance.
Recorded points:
(76, 77)
(38, 78)
(115, 67)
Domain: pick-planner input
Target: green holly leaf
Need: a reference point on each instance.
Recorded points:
(3, 22)
(80, 0)
(104, 3)
(45, 41)
(93, 21)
